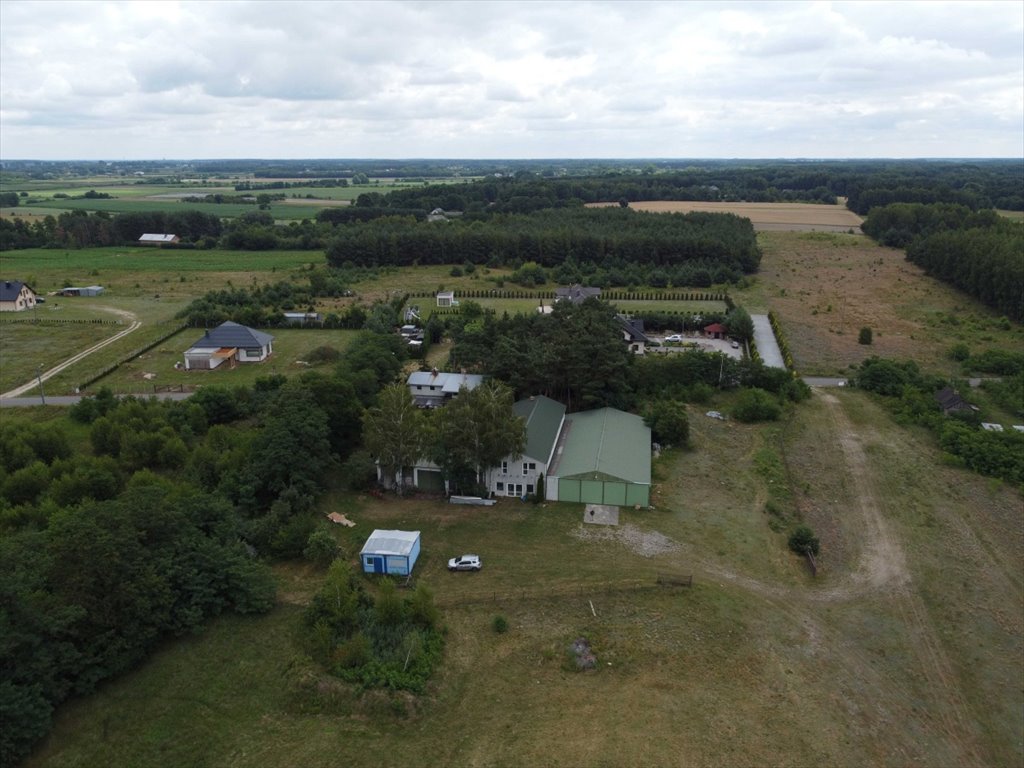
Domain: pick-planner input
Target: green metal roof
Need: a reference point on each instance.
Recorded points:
(606, 444)
(543, 419)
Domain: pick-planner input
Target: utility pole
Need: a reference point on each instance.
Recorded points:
(39, 378)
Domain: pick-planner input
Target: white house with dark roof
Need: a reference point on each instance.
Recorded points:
(228, 342)
(16, 296)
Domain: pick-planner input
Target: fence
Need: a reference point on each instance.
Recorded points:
(575, 589)
(59, 321)
(143, 350)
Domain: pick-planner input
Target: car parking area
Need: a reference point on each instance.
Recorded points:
(698, 342)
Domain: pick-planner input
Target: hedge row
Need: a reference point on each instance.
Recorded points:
(606, 295)
(55, 321)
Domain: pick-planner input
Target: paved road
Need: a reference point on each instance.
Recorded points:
(84, 353)
(767, 346)
(65, 400)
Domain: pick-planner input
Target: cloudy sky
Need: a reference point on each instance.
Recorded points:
(530, 79)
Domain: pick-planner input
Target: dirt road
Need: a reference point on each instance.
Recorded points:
(128, 316)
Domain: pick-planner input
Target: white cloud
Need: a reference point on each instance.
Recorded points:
(500, 79)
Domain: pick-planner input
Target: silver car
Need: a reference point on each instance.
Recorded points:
(465, 563)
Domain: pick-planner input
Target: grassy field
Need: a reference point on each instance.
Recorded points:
(796, 217)
(905, 650)
(278, 209)
(825, 287)
(156, 367)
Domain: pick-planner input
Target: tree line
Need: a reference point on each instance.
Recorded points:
(550, 238)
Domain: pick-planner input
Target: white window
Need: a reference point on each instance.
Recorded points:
(529, 488)
(504, 467)
(529, 466)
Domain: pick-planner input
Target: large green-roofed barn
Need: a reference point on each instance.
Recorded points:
(603, 457)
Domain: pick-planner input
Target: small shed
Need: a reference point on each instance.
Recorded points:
(393, 552)
(88, 290)
(715, 331)
(446, 299)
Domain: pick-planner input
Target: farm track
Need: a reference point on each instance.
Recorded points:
(135, 325)
(882, 573)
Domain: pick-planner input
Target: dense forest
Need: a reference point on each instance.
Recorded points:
(979, 252)
(551, 237)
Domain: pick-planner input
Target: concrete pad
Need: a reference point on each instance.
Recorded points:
(601, 514)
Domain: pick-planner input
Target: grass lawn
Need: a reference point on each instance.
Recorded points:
(290, 346)
(913, 657)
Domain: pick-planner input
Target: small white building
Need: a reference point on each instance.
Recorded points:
(16, 296)
(154, 239)
(446, 299)
(391, 552)
(228, 342)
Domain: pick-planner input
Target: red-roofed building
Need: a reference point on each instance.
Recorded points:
(715, 331)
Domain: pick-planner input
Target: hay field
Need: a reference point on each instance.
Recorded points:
(793, 217)
(825, 287)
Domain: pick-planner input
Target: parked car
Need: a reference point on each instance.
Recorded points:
(735, 345)
(675, 337)
(465, 563)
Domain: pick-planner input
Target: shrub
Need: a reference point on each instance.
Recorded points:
(323, 354)
(864, 337)
(756, 405)
(959, 352)
(499, 624)
(803, 540)
(321, 548)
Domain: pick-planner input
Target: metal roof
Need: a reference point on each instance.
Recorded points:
(151, 238)
(383, 542)
(229, 334)
(450, 383)
(605, 444)
(543, 423)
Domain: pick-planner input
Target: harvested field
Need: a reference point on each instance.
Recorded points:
(791, 217)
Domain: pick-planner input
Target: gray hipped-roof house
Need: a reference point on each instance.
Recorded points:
(229, 342)
(576, 294)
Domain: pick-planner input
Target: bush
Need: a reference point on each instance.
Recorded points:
(321, 548)
(499, 624)
(668, 422)
(756, 405)
(959, 352)
(323, 354)
(864, 337)
(803, 540)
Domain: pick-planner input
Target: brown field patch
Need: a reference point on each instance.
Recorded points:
(765, 216)
(825, 287)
